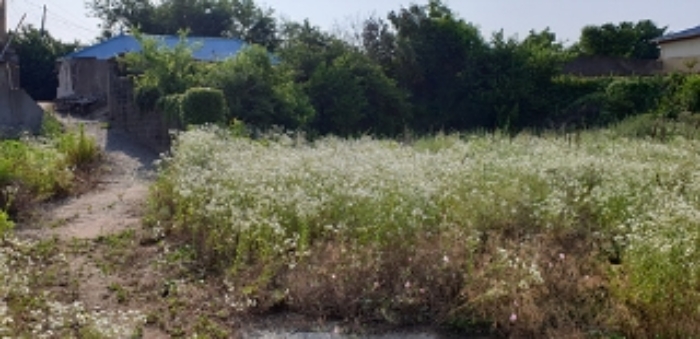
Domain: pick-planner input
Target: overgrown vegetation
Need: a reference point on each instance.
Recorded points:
(584, 233)
(423, 69)
(553, 235)
(37, 169)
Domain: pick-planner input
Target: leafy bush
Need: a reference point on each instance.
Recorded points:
(160, 71)
(535, 236)
(146, 96)
(634, 95)
(352, 96)
(202, 105)
(259, 93)
(690, 94)
(171, 106)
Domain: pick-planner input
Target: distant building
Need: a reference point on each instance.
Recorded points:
(86, 73)
(90, 80)
(680, 51)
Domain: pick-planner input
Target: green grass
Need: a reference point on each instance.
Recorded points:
(36, 169)
(534, 236)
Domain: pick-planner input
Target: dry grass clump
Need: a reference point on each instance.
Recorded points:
(527, 236)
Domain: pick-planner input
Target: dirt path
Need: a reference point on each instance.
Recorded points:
(117, 202)
(139, 286)
(95, 233)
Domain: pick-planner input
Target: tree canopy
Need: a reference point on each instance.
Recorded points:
(626, 39)
(38, 53)
(242, 19)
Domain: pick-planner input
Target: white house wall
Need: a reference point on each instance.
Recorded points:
(681, 49)
(681, 55)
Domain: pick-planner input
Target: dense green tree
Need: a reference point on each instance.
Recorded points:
(520, 80)
(350, 92)
(439, 59)
(352, 95)
(626, 39)
(258, 92)
(38, 53)
(305, 47)
(242, 19)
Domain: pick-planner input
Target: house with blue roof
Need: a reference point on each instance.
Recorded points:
(680, 51)
(87, 73)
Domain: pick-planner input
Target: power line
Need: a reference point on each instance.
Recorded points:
(60, 17)
(75, 29)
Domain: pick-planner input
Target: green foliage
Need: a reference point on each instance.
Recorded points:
(6, 225)
(161, 70)
(633, 95)
(202, 105)
(352, 95)
(171, 106)
(30, 171)
(51, 127)
(38, 52)
(689, 94)
(81, 151)
(258, 92)
(421, 69)
(626, 39)
(146, 95)
(439, 61)
(522, 79)
(243, 19)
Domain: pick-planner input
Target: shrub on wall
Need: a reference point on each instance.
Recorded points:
(171, 106)
(146, 97)
(203, 105)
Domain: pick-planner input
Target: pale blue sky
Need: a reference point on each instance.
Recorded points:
(68, 19)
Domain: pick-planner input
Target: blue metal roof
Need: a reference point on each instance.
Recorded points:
(685, 34)
(204, 49)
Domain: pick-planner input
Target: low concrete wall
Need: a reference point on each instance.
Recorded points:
(150, 129)
(683, 65)
(18, 111)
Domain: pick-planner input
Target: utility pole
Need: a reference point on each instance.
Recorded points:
(43, 22)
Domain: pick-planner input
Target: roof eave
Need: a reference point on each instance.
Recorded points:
(674, 39)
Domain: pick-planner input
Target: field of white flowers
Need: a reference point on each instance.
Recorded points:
(530, 235)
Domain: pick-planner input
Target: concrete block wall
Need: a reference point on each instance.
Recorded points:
(148, 128)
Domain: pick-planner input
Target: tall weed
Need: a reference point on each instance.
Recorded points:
(534, 236)
(80, 150)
